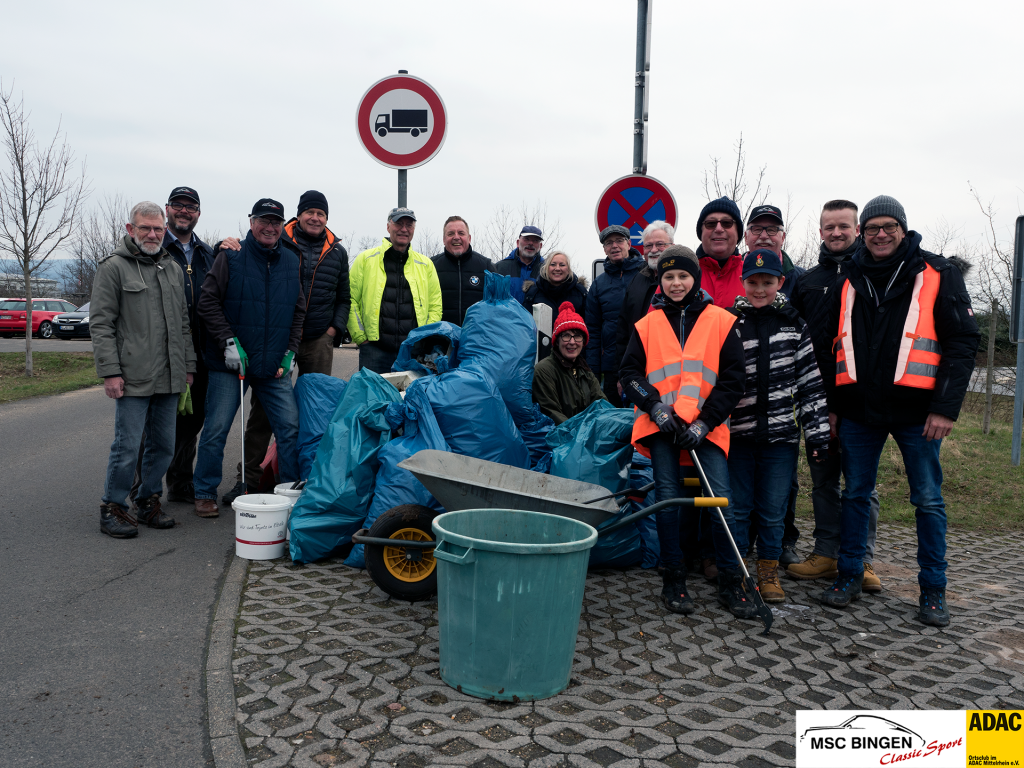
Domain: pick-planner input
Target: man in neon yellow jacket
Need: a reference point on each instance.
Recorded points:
(394, 289)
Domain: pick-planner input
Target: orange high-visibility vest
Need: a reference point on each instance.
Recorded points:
(684, 377)
(920, 352)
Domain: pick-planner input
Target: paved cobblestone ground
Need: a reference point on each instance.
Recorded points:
(331, 672)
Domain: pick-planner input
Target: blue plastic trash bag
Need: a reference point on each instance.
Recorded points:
(641, 473)
(429, 342)
(499, 338)
(337, 496)
(472, 417)
(594, 446)
(395, 485)
(316, 395)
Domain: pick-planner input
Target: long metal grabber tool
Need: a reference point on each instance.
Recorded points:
(638, 494)
(241, 404)
(762, 610)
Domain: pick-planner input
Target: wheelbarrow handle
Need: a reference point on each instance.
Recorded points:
(360, 537)
(622, 522)
(638, 494)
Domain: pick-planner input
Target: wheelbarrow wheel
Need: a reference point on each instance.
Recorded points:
(404, 573)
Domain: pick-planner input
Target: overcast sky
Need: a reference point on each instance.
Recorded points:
(245, 100)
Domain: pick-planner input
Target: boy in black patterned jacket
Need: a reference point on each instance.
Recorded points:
(782, 374)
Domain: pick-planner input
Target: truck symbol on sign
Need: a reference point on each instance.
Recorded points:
(412, 121)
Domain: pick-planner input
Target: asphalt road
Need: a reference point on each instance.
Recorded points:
(102, 641)
(47, 345)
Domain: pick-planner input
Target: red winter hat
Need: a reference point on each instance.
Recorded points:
(568, 319)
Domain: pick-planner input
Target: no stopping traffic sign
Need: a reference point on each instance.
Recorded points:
(635, 201)
(401, 121)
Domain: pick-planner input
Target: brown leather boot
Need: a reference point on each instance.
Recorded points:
(768, 581)
(207, 508)
(871, 581)
(814, 567)
(710, 569)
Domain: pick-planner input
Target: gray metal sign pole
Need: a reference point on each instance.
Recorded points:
(643, 66)
(1017, 336)
(403, 174)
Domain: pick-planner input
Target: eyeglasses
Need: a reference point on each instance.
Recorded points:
(269, 221)
(615, 241)
(711, 224)
(190, 207)
(146, 230)
(571, 336)
(770, 231)
(660, 245)
(872, 229)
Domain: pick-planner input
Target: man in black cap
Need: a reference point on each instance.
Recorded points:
(253, 308)
(523, 263)
(323, 269)
(460, 271)
(766, 229)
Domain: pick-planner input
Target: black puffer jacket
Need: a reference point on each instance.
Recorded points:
(194, 274)
(813, 294)
(877, 329)
(462, 282)
(604, 300)
(397, 312)
(545, 292)
(323, 269)
(639, 293)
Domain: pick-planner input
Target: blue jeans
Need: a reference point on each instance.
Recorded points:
(827, 500)
(223, 396)
(667, 475)
(156, 416)
(862, 448)
(762, 476)
(376, 359)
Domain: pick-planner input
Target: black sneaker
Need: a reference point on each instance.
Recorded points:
(789, 556)
(151, 514)
(117, 522)
(934, 609)
(235, 492)
(674, 593)
(845, 590)
(184, 495)
(732, 595)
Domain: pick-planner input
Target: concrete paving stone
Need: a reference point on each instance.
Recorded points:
(329, 671)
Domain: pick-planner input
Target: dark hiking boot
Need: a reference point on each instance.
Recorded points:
(845, 590)
(674, 592)
(151, 514)
(934, 609)
(235, 492)
(789, 557)
(184, 495)
(732, 595)
(117, 522)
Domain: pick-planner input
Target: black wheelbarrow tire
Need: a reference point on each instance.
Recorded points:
(403, 579)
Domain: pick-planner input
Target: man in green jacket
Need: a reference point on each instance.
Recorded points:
(145, 356)
(394, 289)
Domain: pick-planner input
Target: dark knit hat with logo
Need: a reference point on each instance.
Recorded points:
(568, 320)
(678, 257)
(312, 199)
(883, 205)
(721, 205)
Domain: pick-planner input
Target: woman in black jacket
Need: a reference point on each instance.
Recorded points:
(556, 284)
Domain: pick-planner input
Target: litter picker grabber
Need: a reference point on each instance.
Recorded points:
(762, 610)
(241, 404)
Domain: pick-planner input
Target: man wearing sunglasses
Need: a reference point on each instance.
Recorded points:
(905, 342)
(719, 228)
(253, 308)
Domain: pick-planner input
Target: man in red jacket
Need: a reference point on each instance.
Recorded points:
(720, 228)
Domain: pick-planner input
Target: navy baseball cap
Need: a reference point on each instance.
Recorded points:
(188, 192)
(268, 207)
(530, 230)
(766, 210)
(762, 262)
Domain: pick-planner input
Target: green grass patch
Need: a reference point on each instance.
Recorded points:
(54, 372)
(982, 490)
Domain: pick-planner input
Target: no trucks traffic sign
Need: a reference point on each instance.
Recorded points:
(401, 121)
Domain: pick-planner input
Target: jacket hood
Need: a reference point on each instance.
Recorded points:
(129, 250)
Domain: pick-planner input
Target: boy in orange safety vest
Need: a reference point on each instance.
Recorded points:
(683, 369)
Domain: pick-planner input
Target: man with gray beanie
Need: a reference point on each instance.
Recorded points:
(720, 227)
(905, 343)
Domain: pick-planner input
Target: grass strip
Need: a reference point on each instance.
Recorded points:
(54, 372)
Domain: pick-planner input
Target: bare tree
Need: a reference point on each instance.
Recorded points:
(736, 186)
(41, 197)
(427, 242)
(101, 231)
(502, 231)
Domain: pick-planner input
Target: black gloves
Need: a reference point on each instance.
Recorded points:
(817, 454)
(666, 420)
(689, 439)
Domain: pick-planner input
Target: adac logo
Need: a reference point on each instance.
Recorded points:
(474, 280)
(760, 261)
(987, 721)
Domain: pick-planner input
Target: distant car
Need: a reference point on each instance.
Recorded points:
(12, 316)
(72, 325)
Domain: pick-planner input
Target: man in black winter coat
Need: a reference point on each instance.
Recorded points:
(656, 237)
(905, 340)
(812, 298)
(460, 270)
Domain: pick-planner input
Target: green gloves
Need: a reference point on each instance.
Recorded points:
(287, 362)
(185, 402)
(234, 356)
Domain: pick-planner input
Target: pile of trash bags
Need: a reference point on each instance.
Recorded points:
(473, 397)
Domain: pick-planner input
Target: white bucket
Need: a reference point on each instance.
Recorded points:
(260, 520)
(285, 489)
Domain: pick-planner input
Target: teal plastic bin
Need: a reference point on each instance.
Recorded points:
(509, 595)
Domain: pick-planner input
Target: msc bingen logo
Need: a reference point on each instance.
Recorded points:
(863, 732)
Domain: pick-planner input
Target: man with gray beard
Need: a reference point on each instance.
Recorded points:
(144, 354)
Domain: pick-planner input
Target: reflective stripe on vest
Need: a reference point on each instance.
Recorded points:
(683, 377)
(917, 364)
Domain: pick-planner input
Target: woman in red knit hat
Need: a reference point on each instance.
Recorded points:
(563, 384)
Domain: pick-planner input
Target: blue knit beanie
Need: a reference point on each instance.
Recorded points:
(721, 205)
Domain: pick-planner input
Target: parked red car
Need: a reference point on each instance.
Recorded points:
(12, 316)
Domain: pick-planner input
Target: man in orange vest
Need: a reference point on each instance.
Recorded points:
(683, 369)
(905, 342)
